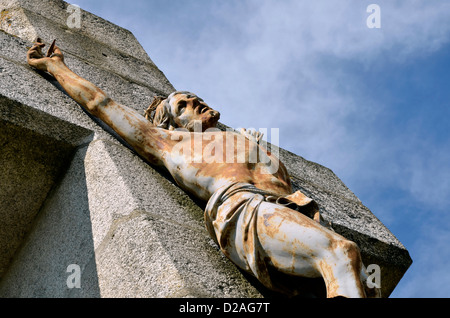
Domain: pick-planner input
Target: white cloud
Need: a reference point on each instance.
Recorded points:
(275, 63)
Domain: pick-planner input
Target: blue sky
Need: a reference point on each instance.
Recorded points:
(373, 105)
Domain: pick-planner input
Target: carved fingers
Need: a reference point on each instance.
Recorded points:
(51, 49)
(252, 135)
(37, 59)
(36, 50)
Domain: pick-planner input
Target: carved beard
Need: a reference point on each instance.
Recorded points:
(198, 125)
(203, 123)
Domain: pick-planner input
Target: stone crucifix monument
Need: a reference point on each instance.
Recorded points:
(198, 220)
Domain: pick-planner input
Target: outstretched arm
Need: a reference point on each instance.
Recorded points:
(147, 140)
(82, 91)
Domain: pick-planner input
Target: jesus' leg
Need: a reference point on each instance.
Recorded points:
(299, 246)
(258, 236)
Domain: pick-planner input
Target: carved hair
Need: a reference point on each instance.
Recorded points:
(159, 112)
(151, 110)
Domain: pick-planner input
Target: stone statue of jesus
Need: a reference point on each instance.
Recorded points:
(251, 212)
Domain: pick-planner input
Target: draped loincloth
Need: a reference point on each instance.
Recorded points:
(231, 219)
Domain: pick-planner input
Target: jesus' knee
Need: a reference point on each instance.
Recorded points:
(341, 267)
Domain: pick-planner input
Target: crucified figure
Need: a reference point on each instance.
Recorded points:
(251, 211)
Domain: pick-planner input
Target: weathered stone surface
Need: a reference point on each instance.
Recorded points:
(132, 231)
(35, 151)
(61, 236)
(96, 28)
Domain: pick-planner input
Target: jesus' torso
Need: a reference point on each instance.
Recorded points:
(203, 162)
